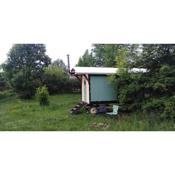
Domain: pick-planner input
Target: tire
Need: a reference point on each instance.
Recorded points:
(93, 110)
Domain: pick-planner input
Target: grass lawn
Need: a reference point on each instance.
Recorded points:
(27, 115)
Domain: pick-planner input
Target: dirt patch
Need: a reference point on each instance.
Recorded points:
(100, 125)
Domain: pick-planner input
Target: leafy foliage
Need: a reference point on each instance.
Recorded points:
(42, 96)
(104, 55)
(24, 68)
(55, 78)
(3, 82)
(6, 93)
(24, 85)
(58, 81)
(74, 85)
(169, 110)
(59, 63)
(87, 60)
(152, 91)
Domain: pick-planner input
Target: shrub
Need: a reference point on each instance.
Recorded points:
(147, 93)
(24, 86)
(169, 108)
(55, 79)
(129, 88)
(6, 93)
(154, 105)
(163, 107)
(42, 95)
(3, 82)
(58, 81)
(74, 85)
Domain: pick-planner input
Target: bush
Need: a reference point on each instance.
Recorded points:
(42, 95)
(129, 88)
(154, 105)
(141, 92)
(24, 86)
(169, 108)
(6, 93)
(163, 107)
(74, 85)
(3, 82)
(55, 79)
(58, 81)
(146, 93)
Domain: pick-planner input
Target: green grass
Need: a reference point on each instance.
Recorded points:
(27, 115)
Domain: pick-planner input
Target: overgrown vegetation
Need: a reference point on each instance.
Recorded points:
(153, 90)
(24, 68)
(28, 115)
(42, 95)
(104, 55)
(6, 93)
(58, 81)
(3, 82)
(150, 92)
(28, 67)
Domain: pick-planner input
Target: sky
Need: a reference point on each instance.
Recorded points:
(71, 27)
(54, 51)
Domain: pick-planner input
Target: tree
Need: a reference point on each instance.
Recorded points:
(155, 55)
(159, 59)
(152, 91)
(107, 53)
(58, 81)
(59, 63)
(55, 78)
(104, 55)
(25, 66)
(87, 60)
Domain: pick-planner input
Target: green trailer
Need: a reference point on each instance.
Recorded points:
(97, 92)
(95, 84)
(96, 88)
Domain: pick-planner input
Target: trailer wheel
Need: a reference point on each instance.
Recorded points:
(93, 110)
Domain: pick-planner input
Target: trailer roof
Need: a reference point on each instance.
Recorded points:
(101, 70)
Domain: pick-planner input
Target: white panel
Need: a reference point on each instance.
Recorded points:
(82, 88)
(87, 90)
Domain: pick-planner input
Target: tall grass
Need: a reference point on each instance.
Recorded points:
(28, 115)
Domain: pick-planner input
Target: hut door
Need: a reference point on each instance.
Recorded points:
(85, 90)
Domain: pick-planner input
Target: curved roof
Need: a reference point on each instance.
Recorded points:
(100, 70)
